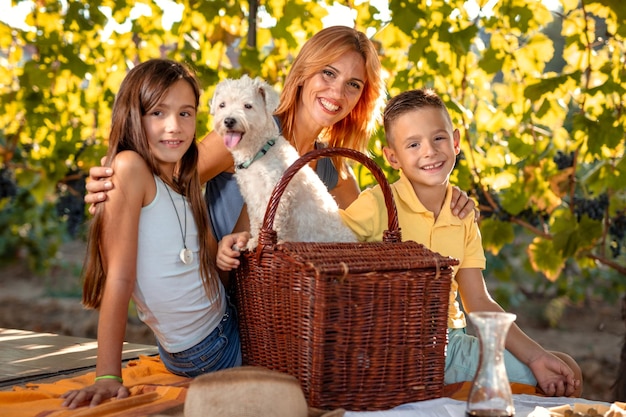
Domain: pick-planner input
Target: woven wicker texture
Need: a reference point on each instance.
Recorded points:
(363, 326)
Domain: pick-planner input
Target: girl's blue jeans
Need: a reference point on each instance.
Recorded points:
(221, 349)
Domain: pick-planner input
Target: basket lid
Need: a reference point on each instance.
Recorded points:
(329, 258)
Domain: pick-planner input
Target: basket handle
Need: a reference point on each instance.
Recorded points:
(267, 236)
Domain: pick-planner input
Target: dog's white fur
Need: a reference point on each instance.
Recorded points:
(243, 115)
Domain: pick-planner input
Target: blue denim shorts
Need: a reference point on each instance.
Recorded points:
(221, 349)
(463, 354)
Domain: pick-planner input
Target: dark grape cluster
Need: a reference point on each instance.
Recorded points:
(564, 160)
(8, 188)
(594, 208)
(532, 217)
(535, 218)
(71, 205)
(617, 231)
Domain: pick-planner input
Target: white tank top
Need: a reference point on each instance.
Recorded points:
(169, 295)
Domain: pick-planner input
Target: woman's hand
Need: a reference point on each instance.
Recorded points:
(229, 249)
(97, 186)
(94, 394)
(461, 205)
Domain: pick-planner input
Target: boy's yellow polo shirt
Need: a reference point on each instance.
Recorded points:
(448, 235)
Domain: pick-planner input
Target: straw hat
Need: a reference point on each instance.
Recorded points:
(249, 392)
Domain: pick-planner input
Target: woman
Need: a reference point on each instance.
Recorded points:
(332, 97)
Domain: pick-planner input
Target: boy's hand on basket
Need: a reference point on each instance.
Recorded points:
(229, 249)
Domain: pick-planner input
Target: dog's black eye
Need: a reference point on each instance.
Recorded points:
(247, 106)
(222, 105)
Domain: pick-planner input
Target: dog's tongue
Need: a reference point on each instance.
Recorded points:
(231, 139)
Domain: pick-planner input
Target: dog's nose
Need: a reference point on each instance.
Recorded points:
(230, 122)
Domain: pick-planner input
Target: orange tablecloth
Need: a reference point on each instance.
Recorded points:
(153, 389)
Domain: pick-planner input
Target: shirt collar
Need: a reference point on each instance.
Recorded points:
(408, 197)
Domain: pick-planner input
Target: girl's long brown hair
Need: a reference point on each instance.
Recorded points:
(142, 89)
(324, 48)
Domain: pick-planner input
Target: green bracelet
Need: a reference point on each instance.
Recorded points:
(115, 377)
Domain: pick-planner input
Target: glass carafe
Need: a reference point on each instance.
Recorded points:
(490, 395)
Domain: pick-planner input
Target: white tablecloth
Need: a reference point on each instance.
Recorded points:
(447, 407)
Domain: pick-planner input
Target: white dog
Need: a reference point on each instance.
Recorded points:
(243, 115)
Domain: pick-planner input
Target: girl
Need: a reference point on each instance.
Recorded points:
(332, 96)
(151, 240)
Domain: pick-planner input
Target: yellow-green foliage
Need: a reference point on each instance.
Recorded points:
(524, 84)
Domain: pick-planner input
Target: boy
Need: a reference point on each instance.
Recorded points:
(423, 145)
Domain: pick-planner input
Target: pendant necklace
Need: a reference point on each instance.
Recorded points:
(185, 255)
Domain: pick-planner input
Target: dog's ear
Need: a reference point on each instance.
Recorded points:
(213, 101)
(270, 96)
(218, 88)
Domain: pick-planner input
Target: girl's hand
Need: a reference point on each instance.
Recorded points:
(95, 394)
(462, 205)
(229, 249)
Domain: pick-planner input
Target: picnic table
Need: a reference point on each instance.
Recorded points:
(30, 356)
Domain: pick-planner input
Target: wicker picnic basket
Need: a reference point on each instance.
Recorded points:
(363, 326)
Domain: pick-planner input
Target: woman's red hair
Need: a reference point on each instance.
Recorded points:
(324, 48)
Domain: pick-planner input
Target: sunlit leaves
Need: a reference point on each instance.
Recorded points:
(541, 194)
(569, 5)
(532, 57)
(572, 235)
(545, 258)
(81, 16)
(6, 37)
(599, 133)
(545, 86)
(407, 14)
(609, 174)
(496, 234)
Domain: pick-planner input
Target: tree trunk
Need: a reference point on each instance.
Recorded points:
(254, 5)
